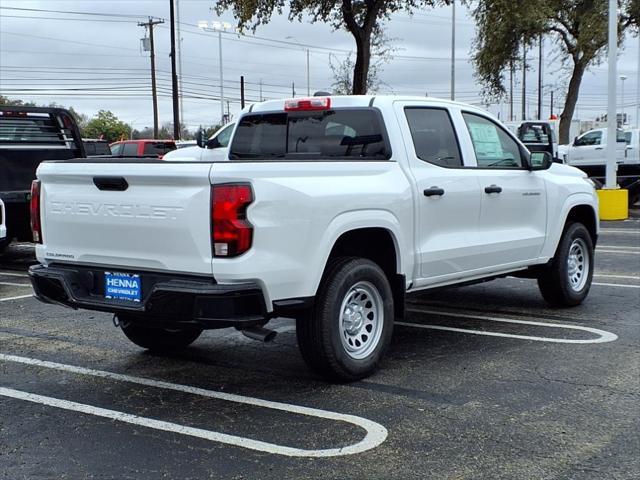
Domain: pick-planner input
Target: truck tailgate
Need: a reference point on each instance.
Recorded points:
(160, 221)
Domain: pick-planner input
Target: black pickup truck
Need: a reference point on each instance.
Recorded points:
(29, 135)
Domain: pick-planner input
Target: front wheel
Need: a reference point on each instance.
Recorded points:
(567, 280)
(157, 339)
(346, 333)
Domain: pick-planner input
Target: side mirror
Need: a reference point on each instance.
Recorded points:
(575, 142)
(213, 143)
(540, 161)
(200, 138)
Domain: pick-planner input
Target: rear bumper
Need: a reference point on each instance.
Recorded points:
(166, 299)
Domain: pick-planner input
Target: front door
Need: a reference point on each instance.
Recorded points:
(513, 217)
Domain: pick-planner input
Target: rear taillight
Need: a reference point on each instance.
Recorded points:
(232, 233)
(34, 207)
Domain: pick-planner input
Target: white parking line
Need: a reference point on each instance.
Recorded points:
(375, 433)
(15, 298)
(621, 285)
(626, 252)
(625, 277)
(12, 284)
(620, 230)
(603, 336)
(12, 274)
(618, 247)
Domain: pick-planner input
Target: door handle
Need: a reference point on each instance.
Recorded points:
(114, 184)
(434, 191)
(598, 148)
(492, 189)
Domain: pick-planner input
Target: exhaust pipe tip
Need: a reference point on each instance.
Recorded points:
(260, 334)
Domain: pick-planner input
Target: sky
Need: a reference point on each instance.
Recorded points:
(94, 60)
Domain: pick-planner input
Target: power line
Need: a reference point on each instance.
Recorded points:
(121, 15)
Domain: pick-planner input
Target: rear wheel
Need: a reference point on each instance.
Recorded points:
(346, 333)
(567, 280)
(157, 339)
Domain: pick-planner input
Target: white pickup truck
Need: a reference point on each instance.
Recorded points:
(328, 210)
(590, 149)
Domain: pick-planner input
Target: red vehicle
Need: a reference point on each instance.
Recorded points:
(142, 148)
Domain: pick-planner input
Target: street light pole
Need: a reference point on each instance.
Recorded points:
(221, 77)
(453, 50)
(611, 113)
(623, 78)
(308, 76)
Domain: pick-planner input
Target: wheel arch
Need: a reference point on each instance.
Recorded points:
(579, 207)
(379, 241)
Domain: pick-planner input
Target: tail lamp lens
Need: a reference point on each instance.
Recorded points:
(34, 207)
(232, 234)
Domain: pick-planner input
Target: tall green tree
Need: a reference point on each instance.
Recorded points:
(578, 27)
(106, 125)
(361, 18)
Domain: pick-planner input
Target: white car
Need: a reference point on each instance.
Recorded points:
(329, 210)
(214, 150)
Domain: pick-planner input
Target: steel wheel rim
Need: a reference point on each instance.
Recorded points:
(578, 264)
(361, 320)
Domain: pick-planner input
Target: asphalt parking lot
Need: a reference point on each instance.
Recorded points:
(483, 382)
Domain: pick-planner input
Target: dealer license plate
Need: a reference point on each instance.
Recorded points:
(122, 286)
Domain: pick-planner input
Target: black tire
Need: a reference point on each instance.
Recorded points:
(322, 336)
(157, 339)
(555, 281)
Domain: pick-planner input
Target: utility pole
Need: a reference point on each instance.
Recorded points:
(174, 75)
(638, 87)
(524, 82)
(293, 89)
(179, 49)
(511, 74)
(540, 73)
(453, 50)
(551, 106)
(149, 26)
(261, 99)
(241, 91)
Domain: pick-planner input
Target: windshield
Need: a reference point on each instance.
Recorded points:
(350, 133)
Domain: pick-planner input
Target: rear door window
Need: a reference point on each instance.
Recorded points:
(130, 150)
(349, 134)
(158, 148)
(433, 136)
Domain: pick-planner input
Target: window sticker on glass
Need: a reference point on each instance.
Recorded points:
(486, 140)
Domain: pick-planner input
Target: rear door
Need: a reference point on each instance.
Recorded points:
(513, 217)
(447, 197)
(138, 216)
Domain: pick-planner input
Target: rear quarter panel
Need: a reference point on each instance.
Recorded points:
(302, 208)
